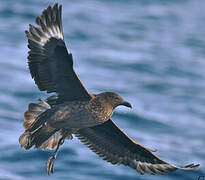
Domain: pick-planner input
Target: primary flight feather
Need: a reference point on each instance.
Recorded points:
(73, 110)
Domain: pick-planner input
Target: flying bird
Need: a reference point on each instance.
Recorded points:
(73, 110)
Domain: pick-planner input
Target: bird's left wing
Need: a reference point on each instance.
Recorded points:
(50, 64)
(113, 145)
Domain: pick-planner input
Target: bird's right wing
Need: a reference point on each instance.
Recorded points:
(50, 64)
(113, 145)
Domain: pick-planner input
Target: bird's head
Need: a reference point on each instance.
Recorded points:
(114, 99)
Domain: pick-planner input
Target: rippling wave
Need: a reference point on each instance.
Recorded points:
(150, 52)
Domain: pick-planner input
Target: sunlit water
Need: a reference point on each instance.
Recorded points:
(152, 52)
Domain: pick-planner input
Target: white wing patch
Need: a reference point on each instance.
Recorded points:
(50, 24)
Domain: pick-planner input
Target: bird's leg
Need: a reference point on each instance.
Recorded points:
(50, 161)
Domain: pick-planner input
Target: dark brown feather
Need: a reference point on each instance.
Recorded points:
(50, 64)
(113, 145)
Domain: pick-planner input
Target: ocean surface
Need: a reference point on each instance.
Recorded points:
(151, 52)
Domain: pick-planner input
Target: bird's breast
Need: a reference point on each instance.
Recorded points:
(100, 111)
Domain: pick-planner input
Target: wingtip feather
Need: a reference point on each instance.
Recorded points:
(190, 166)
(50, 23)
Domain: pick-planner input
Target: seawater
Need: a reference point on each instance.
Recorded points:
(150, 52)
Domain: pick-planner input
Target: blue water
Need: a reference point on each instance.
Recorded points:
(152, 52)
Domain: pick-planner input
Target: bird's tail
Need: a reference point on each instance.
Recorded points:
(37, 132)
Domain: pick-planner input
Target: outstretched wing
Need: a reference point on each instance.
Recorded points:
(50, 64)
(113, 145)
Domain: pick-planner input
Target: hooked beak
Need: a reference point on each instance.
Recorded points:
(127, 104)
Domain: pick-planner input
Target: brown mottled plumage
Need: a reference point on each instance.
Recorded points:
(73, 110)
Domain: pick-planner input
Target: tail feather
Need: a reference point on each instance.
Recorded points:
(28, 120)
(52, 141)
(25, 140)
(41, 135)
(37, 130)
(33, 112)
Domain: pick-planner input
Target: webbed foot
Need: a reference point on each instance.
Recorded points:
(51, 159)
(50, 164)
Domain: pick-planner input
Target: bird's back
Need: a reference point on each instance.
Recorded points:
(77, 114)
